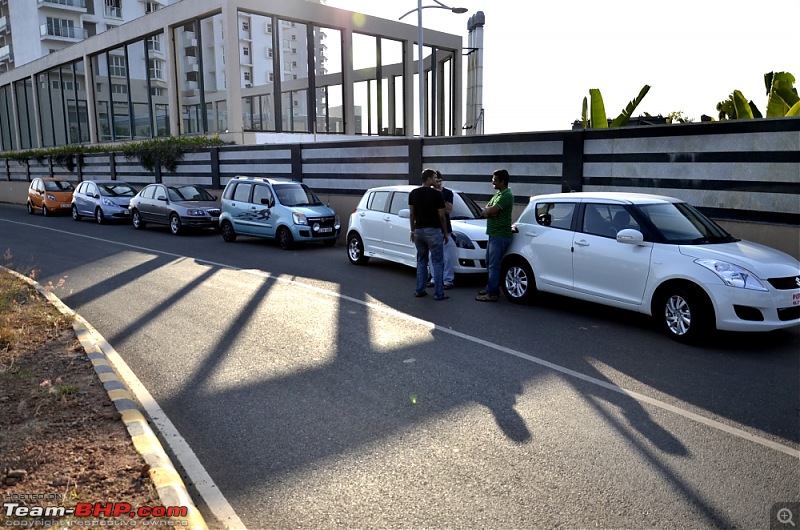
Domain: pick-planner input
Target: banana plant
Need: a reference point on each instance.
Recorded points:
(782, 100)
(597, 111)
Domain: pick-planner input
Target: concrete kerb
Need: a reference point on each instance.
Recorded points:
(171, 489)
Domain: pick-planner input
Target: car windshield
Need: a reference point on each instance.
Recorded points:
(188, 193)
(296, 194)
(680, 224)
(117, 190)
(464, 207)
(57, 185)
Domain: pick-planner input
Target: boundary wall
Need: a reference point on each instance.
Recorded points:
(744, 174)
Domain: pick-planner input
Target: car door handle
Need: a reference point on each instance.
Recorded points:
(532, 234)
(582, 243)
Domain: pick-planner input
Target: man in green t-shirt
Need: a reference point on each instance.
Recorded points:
(498, 227)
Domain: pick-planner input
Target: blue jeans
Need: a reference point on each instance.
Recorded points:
(429, 240)
(449, 254)
(495, 251)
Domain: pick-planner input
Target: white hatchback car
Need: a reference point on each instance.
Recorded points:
(379, 228)
(654, 255)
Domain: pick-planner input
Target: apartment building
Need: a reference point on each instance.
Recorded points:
(102, 71)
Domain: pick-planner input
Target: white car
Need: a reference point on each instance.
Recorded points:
(654, 255)
(379, 228)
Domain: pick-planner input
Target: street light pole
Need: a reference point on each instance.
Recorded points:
(420, 57)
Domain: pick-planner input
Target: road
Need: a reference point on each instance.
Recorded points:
(318, 394)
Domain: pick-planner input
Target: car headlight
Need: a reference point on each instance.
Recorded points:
(732, 275)
(107, 202)
(336, 223)
(299, 218)
(51, 197)
(196, 213)
(462, 241)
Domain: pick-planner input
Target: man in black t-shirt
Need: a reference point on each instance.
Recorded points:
(428, 233)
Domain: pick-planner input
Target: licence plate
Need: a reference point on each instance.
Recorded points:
(66, 205)
(325, 230)
(126, 212)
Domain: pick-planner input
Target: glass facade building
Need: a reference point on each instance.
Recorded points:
(241, 69)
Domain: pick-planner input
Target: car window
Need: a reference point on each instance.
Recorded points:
(241, 192)
(464, 208)
(188, 193)
(552, 214)
(399, 201)
(679, 223)
(262, 194)
(296, 194)
(378, 201)
(149, 192)
(621, 219)
(57, 185)
(117, 190)
(89, 188)
(597, 220)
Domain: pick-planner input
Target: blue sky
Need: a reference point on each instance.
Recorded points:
(541, 58)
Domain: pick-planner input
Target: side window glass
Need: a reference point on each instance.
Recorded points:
(378, 201)
(81, 188)
(552, 214)
(262, 195)
(597, 220)
(242, 192)
(621, 219)
(92, 188)
(399, 201)
(148, 192)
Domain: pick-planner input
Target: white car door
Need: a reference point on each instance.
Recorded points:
(546, 230)
(604, 267)
(397, 245)
(372, 220)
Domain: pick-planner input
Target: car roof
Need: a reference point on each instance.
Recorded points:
(615, 196)
(404, 187)
(271, 180)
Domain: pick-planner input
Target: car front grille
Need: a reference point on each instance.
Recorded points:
(323, 222)
(213, 212)
(483, 244)
(785, 284)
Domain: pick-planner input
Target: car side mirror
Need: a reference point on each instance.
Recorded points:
(266, 202)
(405, 213)
(630, 236)
(161, 198)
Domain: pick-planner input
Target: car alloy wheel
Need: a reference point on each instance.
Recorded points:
(686, 315)
(228, 233)
(45, 211)
(75, 215)
(285, 239)
(355, 250)
(518, 282)
(136, 219)
(175, 224)
(99, 217)
(30, 208)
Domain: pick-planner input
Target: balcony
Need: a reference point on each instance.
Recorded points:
(69, 5)
(114, 12)
(4, 24)
(6, 54)
(62, 33)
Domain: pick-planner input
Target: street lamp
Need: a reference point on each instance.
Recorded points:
(418, 9)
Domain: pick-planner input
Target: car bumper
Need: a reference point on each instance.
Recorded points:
(470, 261)
(304, 233)
(200, 222)
(747, 310)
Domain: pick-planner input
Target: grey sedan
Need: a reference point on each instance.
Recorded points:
(179, 207)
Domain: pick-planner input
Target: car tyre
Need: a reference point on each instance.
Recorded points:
(45, 211)
(518, 282)
(355, 250)
(685, 314)
(30, 208)
(99, 217)
(228, 233)
(175, 224)
(136, 219)
(285, 239)
(75, 215)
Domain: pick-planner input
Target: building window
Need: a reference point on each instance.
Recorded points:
(269, 53)
(113, 8)
(245, 26)
(99, 87)
(154, 43)
(269, 27)
(117, 88)
(116, 65)
(270, 77)
(151, 7)
(60, 27)
(247, 76)
(156, 68)
(157, 91)
(245, 51)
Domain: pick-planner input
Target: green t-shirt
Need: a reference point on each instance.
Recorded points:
(500, 224)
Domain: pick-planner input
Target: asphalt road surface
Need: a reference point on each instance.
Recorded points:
(318, 394)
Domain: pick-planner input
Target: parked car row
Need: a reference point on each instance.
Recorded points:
(646, 253)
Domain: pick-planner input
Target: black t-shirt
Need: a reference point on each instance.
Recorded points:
(448, 197)
(426, 202)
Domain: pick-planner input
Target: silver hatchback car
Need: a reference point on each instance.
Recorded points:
(102, 200)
